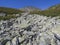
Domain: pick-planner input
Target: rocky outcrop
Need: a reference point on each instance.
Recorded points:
(2, 14)
(30, 30)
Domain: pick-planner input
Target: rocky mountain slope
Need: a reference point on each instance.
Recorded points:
(30, 29)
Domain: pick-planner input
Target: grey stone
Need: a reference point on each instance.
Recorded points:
(30, 30)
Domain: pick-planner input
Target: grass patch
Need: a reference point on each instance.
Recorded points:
(7, 17)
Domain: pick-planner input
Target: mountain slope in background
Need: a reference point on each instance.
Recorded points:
(30, 9)
(10, 10)
(57, 7)
(51, 11)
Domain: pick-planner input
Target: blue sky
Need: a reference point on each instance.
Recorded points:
(42, 4)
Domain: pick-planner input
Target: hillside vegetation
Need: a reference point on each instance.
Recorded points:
(10, 10)
(9, 13)
(7, 17)
(52, 11)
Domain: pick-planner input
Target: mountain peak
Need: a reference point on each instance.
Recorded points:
(30, 8)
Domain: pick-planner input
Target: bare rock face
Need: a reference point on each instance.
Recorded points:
(30, 30)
